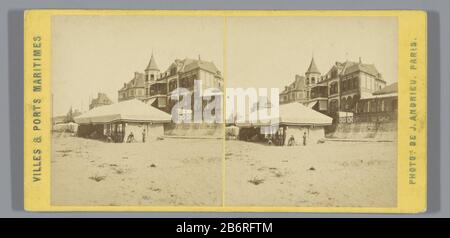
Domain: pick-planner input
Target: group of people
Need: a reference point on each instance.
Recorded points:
(131, 139)
(291, 141)
(279, 138)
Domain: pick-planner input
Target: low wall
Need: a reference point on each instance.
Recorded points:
(365, 130)
(313, 134)
(194, 130)
(152, 131)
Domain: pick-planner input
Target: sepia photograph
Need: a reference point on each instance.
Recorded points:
(239, 111)
(336, 144)
(114, 142)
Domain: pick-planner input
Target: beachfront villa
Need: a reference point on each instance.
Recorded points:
(154, 86)
(342, 89)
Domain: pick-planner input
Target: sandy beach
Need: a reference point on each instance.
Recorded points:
(171, 172)
(188, 172)
(332, 174)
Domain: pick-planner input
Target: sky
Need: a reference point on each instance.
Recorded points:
(269, 51)
(93, 54)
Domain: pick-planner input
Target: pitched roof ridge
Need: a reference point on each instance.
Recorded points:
(152, 64)
(312, 67)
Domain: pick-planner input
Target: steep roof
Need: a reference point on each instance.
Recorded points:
(291, 114)
(367, 68)
(298, 114)
(130, 110)
(205, 65)
(312, 67)
(136, 82)
(299, 82)
(391, 88)
(188, 64)
(152, 64)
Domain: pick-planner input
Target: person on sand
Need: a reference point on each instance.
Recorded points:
(130, 137)
(143, 136)
(291, 141)
(304, 138)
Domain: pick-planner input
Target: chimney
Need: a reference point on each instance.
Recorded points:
(360, 62)
(199, 59)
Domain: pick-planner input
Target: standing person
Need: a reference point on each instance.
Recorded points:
(304, 138)
(143, 135)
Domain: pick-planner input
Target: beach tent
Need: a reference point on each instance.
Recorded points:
(299, 121)
(294, 120)
(292, 114)
(131, 110)
(297, 114)
(117, 121)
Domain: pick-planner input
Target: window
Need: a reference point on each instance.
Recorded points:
(313, 80)
(146, 78)
(152, 77)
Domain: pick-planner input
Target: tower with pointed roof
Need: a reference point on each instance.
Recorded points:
(151, 71)
(312, 74)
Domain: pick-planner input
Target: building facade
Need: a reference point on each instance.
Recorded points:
(337, 91)
(155, 86)
(135, 88)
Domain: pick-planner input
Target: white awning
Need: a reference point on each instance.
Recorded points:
(131, 110)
